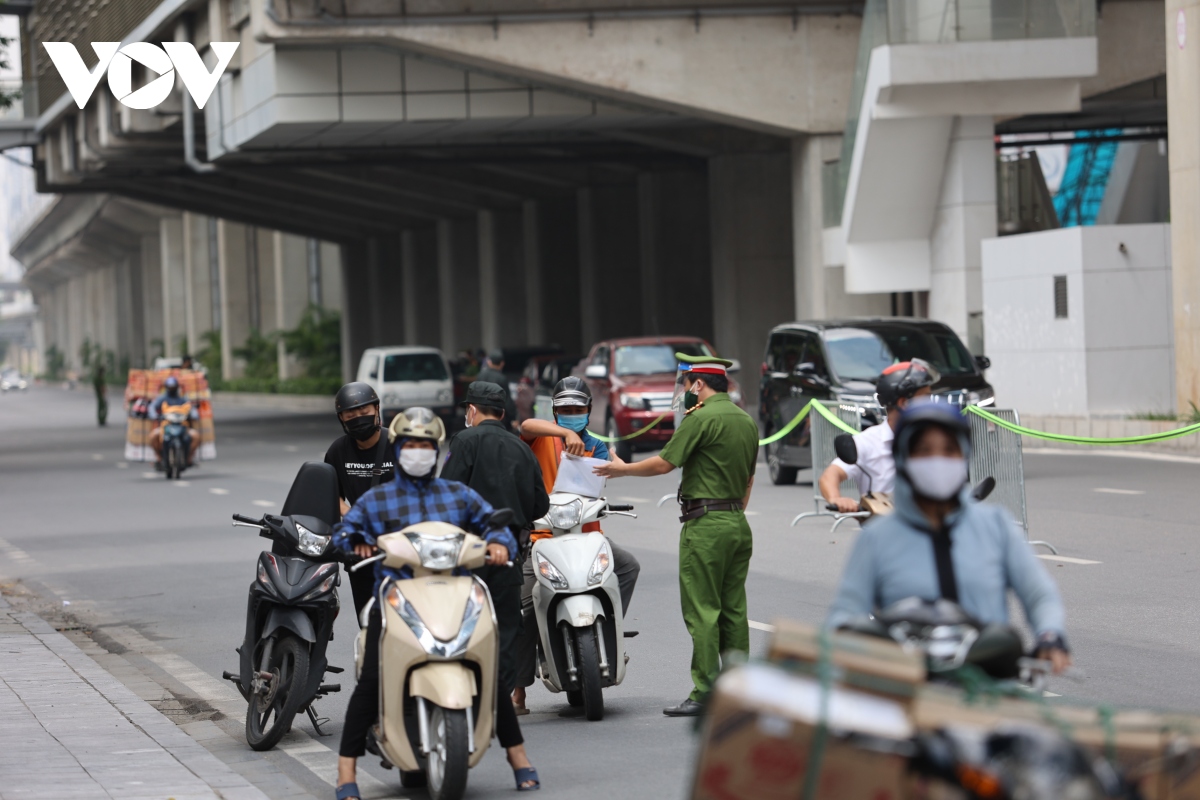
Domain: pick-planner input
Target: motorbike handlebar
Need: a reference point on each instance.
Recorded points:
(248, 520)
(366, 561)
(624, 507)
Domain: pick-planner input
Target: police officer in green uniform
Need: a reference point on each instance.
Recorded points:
(716, 445)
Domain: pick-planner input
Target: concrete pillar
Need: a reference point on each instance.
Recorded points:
(752, 256)
(589, 307)
(458, 285)
(510, 278)
(489, 311)
(531, 251)
(148, 262)
(234, 298)
(1183, 119)
(648, 245)
(966, 215)
(174, 284)
(408, 279)
(356, 322)
(332, 295)
(445, 272)
(426, 294)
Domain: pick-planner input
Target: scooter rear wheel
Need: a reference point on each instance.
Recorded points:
(447, 762)
(269, 715)
(589, 674)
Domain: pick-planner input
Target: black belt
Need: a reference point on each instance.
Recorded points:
(694, 509)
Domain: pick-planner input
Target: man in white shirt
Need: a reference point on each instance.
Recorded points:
(875, 470)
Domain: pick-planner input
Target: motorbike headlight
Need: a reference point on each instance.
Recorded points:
(445, 395)
(596, 574)
(550, 572)
(633, 401)
(437, 552)
(434, 647)
(983, 397)
(567, 515)
(311, 544)
(391, 400)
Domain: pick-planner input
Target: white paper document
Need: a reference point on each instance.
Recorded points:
(575, 475)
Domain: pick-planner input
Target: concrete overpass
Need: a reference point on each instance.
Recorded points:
(521, 172)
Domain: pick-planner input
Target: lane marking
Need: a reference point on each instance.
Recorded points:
(634, 499)
(181, 484)
(1049, 694)
(122, 465)
(97, 456)
(149, 474)
(1113, 453)
(753, 513)
(1067, 559)
(263, 503)
(762, 626)
(1119, 491)
(219, 491)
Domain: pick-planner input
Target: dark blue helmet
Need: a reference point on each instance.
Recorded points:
(171, 384)
(920, 415)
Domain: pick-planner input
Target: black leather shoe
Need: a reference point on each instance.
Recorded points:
(688, 708)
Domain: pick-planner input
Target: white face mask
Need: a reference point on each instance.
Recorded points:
(417, 462)
(937, 477)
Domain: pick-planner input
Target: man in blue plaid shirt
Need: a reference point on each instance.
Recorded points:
(414, 495)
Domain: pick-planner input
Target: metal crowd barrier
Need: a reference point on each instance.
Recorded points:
(821, 435)
(996, 451)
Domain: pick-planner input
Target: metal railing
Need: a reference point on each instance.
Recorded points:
(941, 22)
(822, 434)
(996, 452)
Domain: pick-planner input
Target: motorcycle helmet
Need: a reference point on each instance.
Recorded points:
(904, 380)
(920, 416)
(355, 395)
(418, 422)
(572, 391)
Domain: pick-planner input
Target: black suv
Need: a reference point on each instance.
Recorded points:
(840, 360)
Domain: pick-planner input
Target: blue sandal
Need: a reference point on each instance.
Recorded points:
(523, 776)
(347, 791)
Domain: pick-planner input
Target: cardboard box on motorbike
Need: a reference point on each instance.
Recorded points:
(760, 732)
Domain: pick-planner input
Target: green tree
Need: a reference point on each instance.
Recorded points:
(317, 342)
(261, 356)
(7, 98)
(55, 363)
(210, 355)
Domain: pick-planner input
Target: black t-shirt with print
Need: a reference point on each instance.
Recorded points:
(356, 467)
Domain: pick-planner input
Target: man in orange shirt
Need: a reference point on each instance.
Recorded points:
(572, 403)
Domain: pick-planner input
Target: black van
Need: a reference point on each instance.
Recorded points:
(840, 360)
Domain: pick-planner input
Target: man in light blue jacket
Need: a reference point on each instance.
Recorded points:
(940, 543)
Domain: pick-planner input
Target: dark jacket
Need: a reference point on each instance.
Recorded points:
(502, 469)
(500, 379)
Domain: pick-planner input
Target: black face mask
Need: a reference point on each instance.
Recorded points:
(362, 428)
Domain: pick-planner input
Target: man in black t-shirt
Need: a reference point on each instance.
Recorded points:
(362, 460)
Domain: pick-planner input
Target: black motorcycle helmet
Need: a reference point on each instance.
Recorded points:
(904, 380)
(572, 391)
(355, 395)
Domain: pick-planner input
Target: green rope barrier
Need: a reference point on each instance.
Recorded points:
(786, 429)
(1062, 437)
(833, 418)
(635, 434)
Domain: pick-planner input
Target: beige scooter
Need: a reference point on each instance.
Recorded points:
(438, 657)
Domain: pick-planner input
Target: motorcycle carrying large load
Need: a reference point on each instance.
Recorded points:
(842, 716)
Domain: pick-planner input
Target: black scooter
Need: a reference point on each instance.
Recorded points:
(293, 604)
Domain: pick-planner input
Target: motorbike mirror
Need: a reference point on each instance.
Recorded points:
(846, 449)
(501, 518)
(983, 488)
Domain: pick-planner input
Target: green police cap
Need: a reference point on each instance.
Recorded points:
(709, 364)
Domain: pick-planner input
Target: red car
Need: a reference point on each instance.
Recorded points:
(632, 383)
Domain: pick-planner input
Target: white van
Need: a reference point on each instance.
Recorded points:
(409, 376)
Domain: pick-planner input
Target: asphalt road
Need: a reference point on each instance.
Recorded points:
(130, 551)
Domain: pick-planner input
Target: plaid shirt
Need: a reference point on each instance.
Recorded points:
(402, 502)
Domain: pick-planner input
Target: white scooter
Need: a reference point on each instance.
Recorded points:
(577, 603)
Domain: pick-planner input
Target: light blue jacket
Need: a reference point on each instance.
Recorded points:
(893, 560)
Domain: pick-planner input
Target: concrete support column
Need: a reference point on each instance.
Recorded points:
(489, 311)
(648, 246)
(531, 251)
(356, 311)
(445, 273)
(510, 278)
(750, 198)
(458, 284)
(809, 274)
(147, 262)
(1183, 119)
(589, 308)
(234, 298)
(966, 215)
(408, 280)
(174, 284)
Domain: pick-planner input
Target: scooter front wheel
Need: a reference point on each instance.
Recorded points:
(447, 762)
(271, 710)
(589, 674)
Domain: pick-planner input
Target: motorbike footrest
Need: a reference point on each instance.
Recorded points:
(630, 634)
(229, 676)
(334, 670)
(326, 688)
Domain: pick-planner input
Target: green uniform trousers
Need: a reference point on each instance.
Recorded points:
(714, 559)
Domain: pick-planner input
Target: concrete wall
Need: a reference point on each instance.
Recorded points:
(1112, 354)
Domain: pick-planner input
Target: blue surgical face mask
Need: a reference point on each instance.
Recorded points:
(573, 422)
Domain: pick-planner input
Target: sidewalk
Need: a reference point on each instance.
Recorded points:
(70, 730)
